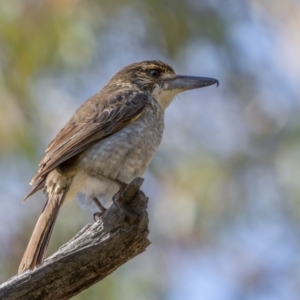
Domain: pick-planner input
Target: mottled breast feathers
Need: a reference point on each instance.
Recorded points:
(96, 119)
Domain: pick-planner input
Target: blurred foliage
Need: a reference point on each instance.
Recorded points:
(61, 35)
(223, 186)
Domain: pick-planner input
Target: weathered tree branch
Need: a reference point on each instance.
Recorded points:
(95, 252)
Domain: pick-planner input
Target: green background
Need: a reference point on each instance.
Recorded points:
(224, 185)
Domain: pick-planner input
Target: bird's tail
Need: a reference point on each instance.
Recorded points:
(37, 247)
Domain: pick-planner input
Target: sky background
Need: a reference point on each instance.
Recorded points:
(224, 185)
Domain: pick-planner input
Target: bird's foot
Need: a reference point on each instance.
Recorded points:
(122, 186)
(97, 215)
(124, 207)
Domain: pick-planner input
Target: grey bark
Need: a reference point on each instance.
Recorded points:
(95, 252)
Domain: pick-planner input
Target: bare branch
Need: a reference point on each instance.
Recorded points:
(95, 252)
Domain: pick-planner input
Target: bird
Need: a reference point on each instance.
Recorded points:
(109, 141)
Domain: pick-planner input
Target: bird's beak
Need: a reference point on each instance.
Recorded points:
(184, 83)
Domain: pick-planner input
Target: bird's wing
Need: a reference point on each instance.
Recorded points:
(96, 119)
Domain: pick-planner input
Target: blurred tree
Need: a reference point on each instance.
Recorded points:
(230, 159)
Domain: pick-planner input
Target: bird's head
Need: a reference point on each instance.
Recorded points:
(158, 79)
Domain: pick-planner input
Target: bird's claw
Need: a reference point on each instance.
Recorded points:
(97, 216)
(125, 208)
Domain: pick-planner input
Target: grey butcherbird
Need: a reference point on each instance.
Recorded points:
(110, 139)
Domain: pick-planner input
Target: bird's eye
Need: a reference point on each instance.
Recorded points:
(154, 73)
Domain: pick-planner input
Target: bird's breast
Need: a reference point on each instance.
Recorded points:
(123, 155)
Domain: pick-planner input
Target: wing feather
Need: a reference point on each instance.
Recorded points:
(96, 119)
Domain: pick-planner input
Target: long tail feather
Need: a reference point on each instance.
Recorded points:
(38, 244)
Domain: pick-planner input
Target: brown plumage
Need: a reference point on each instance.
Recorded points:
(90, 123)
(112, 136)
